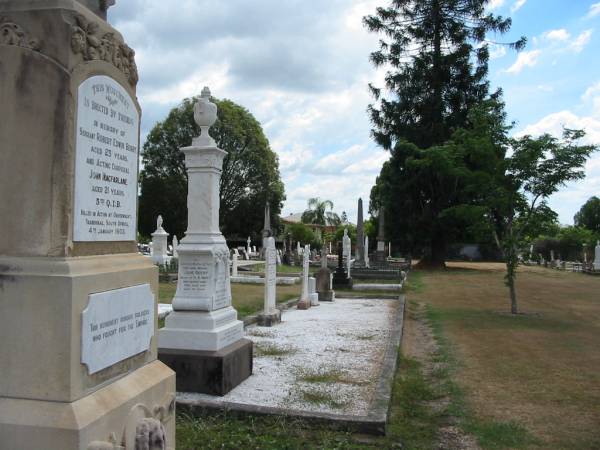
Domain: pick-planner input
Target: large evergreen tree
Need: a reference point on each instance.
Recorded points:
(437, 55)
(250, 175)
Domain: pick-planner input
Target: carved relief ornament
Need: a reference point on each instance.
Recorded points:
(13, 34)
(88, 40)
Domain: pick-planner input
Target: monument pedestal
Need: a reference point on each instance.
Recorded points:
(210, 372)
(340, 278)
(268, 320)
(63, 387)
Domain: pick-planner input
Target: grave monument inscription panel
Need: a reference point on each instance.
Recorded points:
(106, 162)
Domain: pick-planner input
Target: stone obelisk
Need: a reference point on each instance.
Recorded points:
(202, 339)
(266, 231)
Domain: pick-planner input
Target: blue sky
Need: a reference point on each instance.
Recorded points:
(301, 67)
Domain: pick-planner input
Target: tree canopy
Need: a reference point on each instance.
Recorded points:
(588, 215)
(250, 175)
(437, 55)
(317, 213)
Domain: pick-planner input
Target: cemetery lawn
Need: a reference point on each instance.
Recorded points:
(529, 381)
(247, 299)
(525, 381)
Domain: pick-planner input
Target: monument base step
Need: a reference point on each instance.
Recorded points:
(268, 320)
(304, 304)
(114, 410)
(328, 296)
(342, 282)
(210, 372)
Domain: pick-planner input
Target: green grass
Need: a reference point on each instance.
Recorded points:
(414, 282)
(247, 299)
(272, 350)
(320, 398)
(321, 376)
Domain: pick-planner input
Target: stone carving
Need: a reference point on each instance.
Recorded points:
(88, 40)
(205, 115)
(13, 34)
(150, 435)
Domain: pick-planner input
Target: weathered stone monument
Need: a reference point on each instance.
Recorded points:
(597, 257)
(340, 276)
(266, 231)
(367, 251)
(270, 315)
(159, 244)
(380, 257)
(304, 302)
(347, 242)
(78, 354)
(175, 245)
(202, 339)
(360, 236)
(234, 265)
(323, 280)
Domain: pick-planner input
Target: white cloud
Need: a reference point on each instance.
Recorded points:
(581, 41)
(517, 5)
(593, 11)
(497, 51)
(495, 4)
(524, 59)
(557, 35)
(555, 122)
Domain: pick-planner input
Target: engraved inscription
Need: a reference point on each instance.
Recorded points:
(106, 162)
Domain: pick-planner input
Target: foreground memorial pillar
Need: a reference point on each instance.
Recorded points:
(78, 344)
(270, 315)
(202, 339)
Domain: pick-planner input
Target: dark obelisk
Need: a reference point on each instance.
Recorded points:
(360, 236)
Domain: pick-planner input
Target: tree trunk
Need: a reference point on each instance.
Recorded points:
(513, 295)
(437, 258)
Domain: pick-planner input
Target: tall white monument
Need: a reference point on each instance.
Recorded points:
(159, 244)
(367, 251)
(202, 339)
(597, 256)
(271, 315)
(305, 302)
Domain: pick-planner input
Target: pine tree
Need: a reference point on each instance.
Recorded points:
(437, 53)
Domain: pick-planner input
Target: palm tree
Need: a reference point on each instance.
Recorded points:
(317, 213)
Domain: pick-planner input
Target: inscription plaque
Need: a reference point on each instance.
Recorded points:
(116, 325)
(106, 162)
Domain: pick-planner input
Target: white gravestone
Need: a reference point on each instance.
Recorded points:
(346, 243)
(390, 249)
(367, 251)
(248, 248)
(305, 267)
(312, 291)
(175, 245)
(159, 243)
(202, 318)
(106, 162)
(270, 276)
(298, 250)
(116, 325)
(347, 250)
(234, 265)
(597, 256)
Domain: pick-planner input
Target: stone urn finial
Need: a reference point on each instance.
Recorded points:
(205, 115)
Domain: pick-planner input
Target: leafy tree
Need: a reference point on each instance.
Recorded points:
(250, 175)
(317, 213)
(438, 59)
(301, 233)
(535, 170)
(589, 215)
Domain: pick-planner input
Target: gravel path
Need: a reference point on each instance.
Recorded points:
(325, 359)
